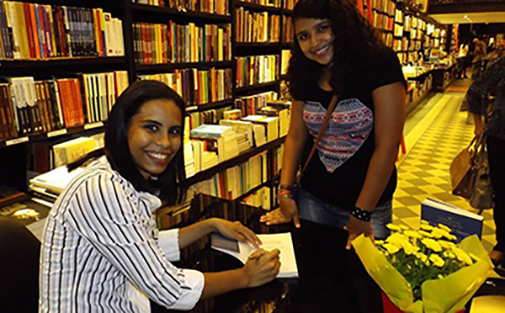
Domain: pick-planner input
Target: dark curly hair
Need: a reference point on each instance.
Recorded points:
(355, 44)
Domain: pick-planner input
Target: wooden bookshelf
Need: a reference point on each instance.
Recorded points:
(143, 9)
(209, 106)
(256, 87)
(61, 62)
(160, 68)
(257, 7)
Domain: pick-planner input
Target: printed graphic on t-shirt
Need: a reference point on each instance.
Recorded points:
(350, 125)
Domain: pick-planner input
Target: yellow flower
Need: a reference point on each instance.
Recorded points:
(451, 237)
(410, 249)
(449, 254)
(462, 256)
(447, 229)
(394, 227)
(403, 227)
(440, 276)
(432, 244)
(423, 222)
(391, 248)
(425, 234)
(446, 244)
(438, 261)
(426, 227)
(379, 242)
(423, 257)
(412, 234)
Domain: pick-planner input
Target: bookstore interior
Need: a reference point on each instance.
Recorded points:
(63, 65)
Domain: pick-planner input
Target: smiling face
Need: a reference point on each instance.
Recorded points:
(154, 136)
(315, 38)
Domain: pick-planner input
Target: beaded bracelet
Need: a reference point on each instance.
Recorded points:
(287, 187)
(361, 214)
(284, 193)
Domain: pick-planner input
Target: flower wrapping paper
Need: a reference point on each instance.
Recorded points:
(445, 295)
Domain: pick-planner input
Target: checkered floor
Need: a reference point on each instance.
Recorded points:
(431, 145)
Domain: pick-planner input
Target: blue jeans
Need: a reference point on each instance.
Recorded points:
(315, 210)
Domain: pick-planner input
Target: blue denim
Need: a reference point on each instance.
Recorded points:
(315, 210)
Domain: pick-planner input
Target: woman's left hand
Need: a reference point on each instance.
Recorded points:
(235, 230)
(356, 227)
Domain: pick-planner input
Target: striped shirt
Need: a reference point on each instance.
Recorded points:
(100, 240)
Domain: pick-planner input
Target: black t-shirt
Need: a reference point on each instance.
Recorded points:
(337, 171)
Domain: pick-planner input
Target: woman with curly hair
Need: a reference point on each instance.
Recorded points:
(349, 183)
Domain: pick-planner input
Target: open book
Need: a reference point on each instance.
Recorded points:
(241, 250)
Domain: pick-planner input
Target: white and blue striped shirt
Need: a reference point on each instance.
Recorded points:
(100, 240)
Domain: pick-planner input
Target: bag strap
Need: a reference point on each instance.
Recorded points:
(331, 107)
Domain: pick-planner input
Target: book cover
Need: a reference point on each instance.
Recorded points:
(463, 223)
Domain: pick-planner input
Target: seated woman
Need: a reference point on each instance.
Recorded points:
(101, 250)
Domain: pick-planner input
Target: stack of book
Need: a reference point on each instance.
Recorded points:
(270, 125)
(72, 150)
(217, 138)
(282, 113)
(207, 6)
(48, 186)
(39, 31)
(244, 131)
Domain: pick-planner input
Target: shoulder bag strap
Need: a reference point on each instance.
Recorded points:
(331, 107)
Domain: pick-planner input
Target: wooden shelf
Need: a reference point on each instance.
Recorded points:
(61, 62)
(287, 12)
(241, 158)
(30, 138)
(208, 106)
(257, 7)
(172, 66)
(257, 45)
(254, 87)
(201, 16)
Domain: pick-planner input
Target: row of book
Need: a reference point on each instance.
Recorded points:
(287, 29)
(401, 44)
(236, 181)
(176, 43)
(30, 107)
(198, 86)
(251, 26)
(39, 31)
(387, 38)
(252, 70)
(250, 105)
(289, 4)
(221, 7)
(386, 6)
(382, 21)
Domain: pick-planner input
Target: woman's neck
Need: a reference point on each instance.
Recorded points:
(324, 81)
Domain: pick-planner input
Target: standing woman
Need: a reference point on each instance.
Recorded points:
(349, 183)
(101, 250)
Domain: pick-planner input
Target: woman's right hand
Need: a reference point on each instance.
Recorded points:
(262, 267)
(287, 212)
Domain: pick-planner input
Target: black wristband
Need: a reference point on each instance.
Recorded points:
(361, 214)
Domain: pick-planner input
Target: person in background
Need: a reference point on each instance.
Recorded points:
(101, 249)
(463, 59)
(492, 81)
(351, 178)
(479, 52)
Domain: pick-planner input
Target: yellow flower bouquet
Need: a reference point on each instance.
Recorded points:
(425, 271)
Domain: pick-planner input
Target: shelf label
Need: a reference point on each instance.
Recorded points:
(16, 141)
(93, 125)
(57, 133)
(190, 109)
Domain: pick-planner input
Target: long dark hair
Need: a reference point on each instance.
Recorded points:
(170, 183)
(355, 44)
